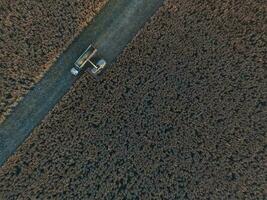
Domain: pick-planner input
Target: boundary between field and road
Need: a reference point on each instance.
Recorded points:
(110, 32)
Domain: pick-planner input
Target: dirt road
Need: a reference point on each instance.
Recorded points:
(110, 32)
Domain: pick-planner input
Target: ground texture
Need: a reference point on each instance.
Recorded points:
(180, 115)
(32, 35)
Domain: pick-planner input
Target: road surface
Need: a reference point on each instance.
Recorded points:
(110, 32)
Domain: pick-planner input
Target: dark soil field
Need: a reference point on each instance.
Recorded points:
(180, 115)
(32, 35)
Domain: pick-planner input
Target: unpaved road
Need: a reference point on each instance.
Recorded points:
(180, 115)
(33, 34)
(110, 32)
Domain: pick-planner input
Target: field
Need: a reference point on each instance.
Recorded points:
(179, 115)
(33, 34)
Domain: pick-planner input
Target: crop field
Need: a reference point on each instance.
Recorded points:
(32, 36)
(180, 115)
